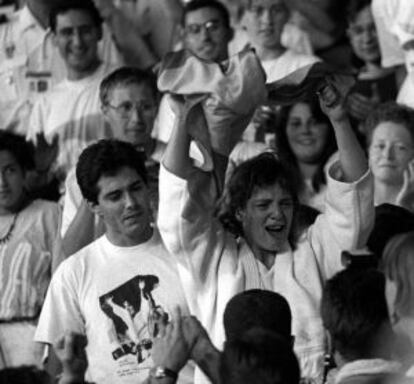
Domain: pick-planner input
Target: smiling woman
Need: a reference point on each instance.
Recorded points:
(29, 249)
(306, 140)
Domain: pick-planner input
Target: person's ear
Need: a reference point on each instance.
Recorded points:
(240, 214)
(230, 34)
(95, 208)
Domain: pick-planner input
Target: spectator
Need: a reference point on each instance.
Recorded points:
(389, 131)
(398, 265)
(30, 63)
(256, 221)
(354, 312)
(128, 99)
(258, 357)
(29, 248)
(375, 84)
(119, 290)
(306, 141)
(71, 110)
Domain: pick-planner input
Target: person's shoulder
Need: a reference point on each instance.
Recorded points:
(300, 58)
(43, 207)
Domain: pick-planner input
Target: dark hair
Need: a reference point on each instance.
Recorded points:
(286, 153)
(354, 311)
(19, 148)
(106, 158)
(257, 308)
(26, 374)
(390, 112)
(126, 76)
(398, 266)
(263, 170)
(195, 5)
(354, 7)
(82, 5)
(258, 357)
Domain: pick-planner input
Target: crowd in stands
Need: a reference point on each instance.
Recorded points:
(207, 191)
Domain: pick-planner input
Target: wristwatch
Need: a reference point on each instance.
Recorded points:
(161, 372)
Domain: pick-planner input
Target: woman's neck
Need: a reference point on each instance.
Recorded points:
(385, 193)
(269, 53)
(307, 170)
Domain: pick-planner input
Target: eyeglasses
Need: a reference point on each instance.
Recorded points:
(210, 26)
(125, 109)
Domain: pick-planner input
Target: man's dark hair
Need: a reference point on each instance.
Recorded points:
(261, 171)
(82, 5)
(19, 148)
(258, 357)
(195, 5)
(257, 308)
(354, 311)
(106, 158)
(123, 77)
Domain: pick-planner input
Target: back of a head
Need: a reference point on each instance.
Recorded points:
(354, 311)
(257, 308)
(24, 375)
(106, 158)
(398, 266)
(258, 357)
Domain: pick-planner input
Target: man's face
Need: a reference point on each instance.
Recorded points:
(267, 218)
(77, 38)
(206, 35)
(12, 182)
(124, 206)
(131, 110)
(265, 22)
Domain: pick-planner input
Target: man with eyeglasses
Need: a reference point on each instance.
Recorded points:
(69, 113)
(206, 34)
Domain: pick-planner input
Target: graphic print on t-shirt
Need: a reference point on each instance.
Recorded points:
(134, 319)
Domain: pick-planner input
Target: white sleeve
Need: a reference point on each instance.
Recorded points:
(346, 223)
(61, 311)
(188, 227)
(36, 120)
(384, 16)
(71, 201)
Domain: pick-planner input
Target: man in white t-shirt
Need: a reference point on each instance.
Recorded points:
(30, 63)
(120, 289)
(71, 110)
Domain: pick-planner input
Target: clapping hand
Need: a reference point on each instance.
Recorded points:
(405, 197)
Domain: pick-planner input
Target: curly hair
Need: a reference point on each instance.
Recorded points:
(261, 171)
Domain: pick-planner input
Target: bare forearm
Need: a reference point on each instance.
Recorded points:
(352, 158)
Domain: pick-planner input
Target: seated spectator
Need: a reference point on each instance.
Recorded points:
(249, 243)
(119, 290)
(128, 100)
(306, 140)
(354, 312)
(29, 248)
(71, 110)
(390, 139)
(375, 84)
(398, 266)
